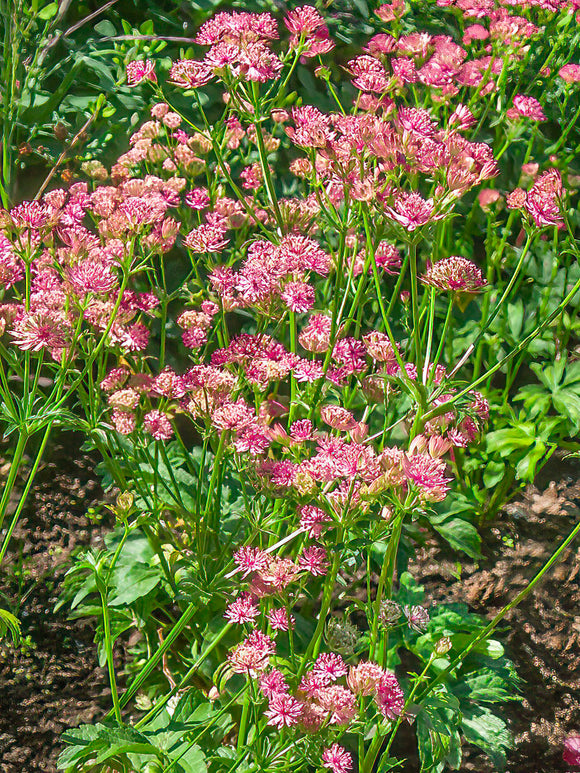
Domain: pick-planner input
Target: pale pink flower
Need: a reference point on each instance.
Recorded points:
(123, 421)
(35, 331)
(338, 417)
(190, 74)
(364, 678)
(417, 617)
(570, 73)
(242, 610)
(252, 655)
(411, 210)
(313, 521)
(339, 702)
(454, 274)
(330, 666)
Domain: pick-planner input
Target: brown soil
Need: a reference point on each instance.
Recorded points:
(53, 683)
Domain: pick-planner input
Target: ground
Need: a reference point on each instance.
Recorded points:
(53, 682)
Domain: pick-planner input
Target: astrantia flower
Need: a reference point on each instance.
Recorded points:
(252, 655)
(91, 276)
(36, 331)
(250, 560)
(298, 296)
(273, 683)
(338, 417)
(428, 475)
(570, 73)
(571, 753)
(313, 521)
(454, 274)
(206, 238)
(140, 71)
(543, 200)
(339, 702)
(389, 696)
(314, 561)
(158, 424)
(242, 610)
(417, 617)
(190, 74)
(364, 678)
(526, 107)
(337, 759)
(280, 620)
(411, 210)
(283, 711)
(329, 665)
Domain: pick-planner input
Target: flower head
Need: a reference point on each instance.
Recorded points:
(454, 274)
(337, 759)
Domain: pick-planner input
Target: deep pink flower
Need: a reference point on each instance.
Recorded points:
(158, 424)
(314, 560)
(337, 759)
(330, 666)
(389, 696)
(283, 711)
(571, 753)
(139, 71)
(280, 619)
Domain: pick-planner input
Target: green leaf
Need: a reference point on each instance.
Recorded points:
(489, 732)
(8, 622)
(134, 584)
(460, 534)
(48, 11)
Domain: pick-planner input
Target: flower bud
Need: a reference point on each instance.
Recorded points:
(443, 646)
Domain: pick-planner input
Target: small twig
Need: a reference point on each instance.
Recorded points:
(75, 139)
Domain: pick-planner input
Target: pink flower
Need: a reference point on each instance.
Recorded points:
(336, 758)
(428, 475)
(158, 424)
(36, 331)
(190, 74)
(411, 210)
(138, 71)
(570, 73)
(543, 200)
(251, 560)
(454, 274)
(314, 561)
(91, 276)
(283, 711)
(364, 678)
(273, 683)
(280, 620)
(330, 666)
(313, 521)
(389, 696)
(242, 610)
(252, 655)
(571, 753)
(526, 107)
(298, 296)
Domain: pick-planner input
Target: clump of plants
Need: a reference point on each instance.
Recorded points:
(293, 332)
